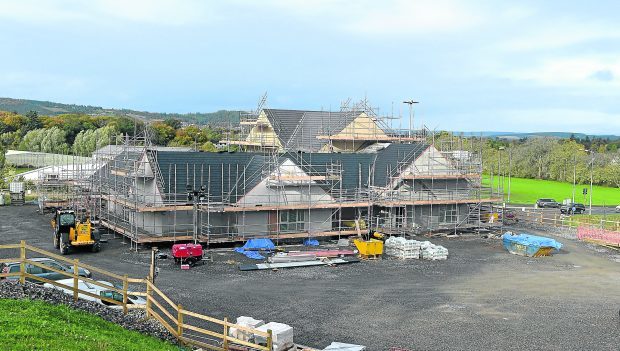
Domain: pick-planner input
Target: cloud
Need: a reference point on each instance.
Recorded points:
(586, 72)
(162, 12)
(603, 75)
(414, 17)
(378, 18)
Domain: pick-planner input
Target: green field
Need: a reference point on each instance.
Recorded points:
(527, 191)
(36, 325)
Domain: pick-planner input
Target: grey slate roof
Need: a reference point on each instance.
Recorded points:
(356, 167)
(226, 175)
(298, 129)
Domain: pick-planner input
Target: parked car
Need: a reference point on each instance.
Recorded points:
(547, 203)
(98, 290)
(618, 208)
(572, 208)
(13, 267)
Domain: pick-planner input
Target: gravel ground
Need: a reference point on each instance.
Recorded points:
(481, 298)
(133, 320)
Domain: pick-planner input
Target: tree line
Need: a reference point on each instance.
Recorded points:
(564, 160)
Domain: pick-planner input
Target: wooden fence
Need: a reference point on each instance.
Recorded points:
(593, 229)
(556, 219)
(190, 328)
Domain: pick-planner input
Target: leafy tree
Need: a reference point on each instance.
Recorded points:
(162, 133)
(174, 123)
(90, 140)
(33, 121)
(208, 147)
(51, 140)
(10, 139)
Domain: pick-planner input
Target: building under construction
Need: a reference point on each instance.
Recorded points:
(299, 174)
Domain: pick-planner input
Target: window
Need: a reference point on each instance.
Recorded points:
(14, 269)
(111, 295)
(67, 219)
(34, 269)
(292, 221)
(54, 265)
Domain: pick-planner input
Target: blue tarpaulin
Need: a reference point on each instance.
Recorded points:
(253, 255)
(259, 244)
(311, 242)
(526, 244)
(252, 246)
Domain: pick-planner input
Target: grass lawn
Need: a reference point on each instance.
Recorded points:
(19, 170)
(527, 191)
(36, 325)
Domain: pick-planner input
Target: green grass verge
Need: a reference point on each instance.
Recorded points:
(36, 325)
(19, 170)
(527, 191)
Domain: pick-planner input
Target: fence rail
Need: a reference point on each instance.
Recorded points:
(169, 314)
(593, 229)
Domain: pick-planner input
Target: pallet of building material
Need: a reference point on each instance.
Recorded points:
(429, 251)
(403, 254)
(402, 248)
(282, 336)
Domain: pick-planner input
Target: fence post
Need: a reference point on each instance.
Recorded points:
(179, 321)
(125, 287)
(76, 274)
(22, 262)
(225, 333)
(149, 293)
(269, 340)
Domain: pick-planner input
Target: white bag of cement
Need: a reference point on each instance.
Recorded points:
(245, 322)
(282, 335)
(339, 346)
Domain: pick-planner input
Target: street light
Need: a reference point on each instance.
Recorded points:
(500, 180)
(509, 171)
(591, 176)
(410, 103)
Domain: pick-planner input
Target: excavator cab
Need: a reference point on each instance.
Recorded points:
(70, 232)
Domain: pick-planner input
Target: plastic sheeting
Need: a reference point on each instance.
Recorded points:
(311, 242)
(252, 246)
(259, 244)
(526, 244)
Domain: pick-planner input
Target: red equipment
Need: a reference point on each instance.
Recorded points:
(187, 253)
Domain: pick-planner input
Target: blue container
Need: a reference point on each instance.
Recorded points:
(530, 245)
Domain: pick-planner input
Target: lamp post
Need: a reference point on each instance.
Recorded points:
(410, 103)
(195, 196)
(509, 171)
(500, 180)
(591, 179)
(574, 175)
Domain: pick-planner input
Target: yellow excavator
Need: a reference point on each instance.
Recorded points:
(70, 232)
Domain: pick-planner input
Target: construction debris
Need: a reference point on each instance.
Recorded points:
(323, 262)
(339, 346)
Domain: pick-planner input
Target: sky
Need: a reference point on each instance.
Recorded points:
(473, 65)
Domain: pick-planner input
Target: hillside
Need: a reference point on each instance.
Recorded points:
(22, 106)
(515, 135)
